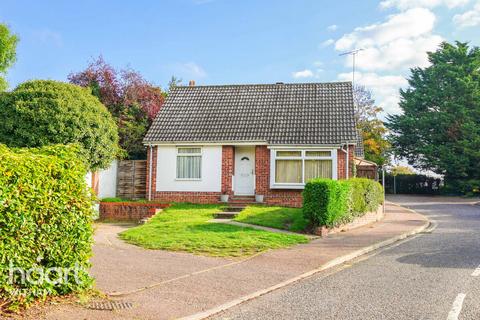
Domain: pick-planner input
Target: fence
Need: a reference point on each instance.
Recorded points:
(412, 184)
(132, 179)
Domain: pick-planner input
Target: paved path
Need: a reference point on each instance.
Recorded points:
(165, 285)
(433, 276)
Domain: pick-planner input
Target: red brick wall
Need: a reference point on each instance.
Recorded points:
(341, 159)
(153, 162)
(128, 211)
(187, 196)
(288, 198)
(228, 166)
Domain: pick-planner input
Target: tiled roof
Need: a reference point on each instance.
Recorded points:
(281, 114)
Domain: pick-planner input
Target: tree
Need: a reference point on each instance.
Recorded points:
(8, 46)
(395, 171)
(174, 81)
(370, 127)
(439, 128)
(133, 101)
(44, 112)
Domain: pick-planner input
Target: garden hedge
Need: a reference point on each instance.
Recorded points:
(45, 223)
(331, 203)
(39, 113)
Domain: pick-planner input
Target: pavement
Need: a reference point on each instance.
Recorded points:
(165, 285)
(434, 275)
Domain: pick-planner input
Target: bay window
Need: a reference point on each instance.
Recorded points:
(189, 163)
(293, 168)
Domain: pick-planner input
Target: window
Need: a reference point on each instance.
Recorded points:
(296, 167)
(189, 163)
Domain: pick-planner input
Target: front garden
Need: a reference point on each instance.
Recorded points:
(186, 227)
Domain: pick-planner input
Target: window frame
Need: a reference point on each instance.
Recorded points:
(285, 185)
(178, 154)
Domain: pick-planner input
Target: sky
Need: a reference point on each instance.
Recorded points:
(236, 42)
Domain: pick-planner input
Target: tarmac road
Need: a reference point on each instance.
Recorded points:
(431, 276)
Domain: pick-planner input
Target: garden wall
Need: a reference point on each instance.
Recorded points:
(129, 211)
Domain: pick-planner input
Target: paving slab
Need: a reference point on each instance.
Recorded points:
(166, 285)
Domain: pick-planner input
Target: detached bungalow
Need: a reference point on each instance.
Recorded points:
(263, 140)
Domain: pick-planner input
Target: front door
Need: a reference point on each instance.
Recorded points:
(244, 171)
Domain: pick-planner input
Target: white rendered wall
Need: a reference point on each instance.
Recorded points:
(107, 181)
(211, 180)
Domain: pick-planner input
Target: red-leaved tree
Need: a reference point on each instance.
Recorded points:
(131, 99)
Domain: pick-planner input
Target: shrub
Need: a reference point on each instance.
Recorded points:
(44, 112)
(334, 202)
(326, 202)
(45, 222)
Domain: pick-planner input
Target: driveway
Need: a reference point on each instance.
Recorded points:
(432, 276)
(165, 285)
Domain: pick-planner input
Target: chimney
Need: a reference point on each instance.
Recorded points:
(191, 83)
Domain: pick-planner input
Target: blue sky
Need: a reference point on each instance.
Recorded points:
(226, 41)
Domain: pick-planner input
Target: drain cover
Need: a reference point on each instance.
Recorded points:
(110, 305)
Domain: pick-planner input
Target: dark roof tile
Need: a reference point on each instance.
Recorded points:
(282, 114)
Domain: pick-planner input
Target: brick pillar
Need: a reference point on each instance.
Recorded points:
(228, 167)
(351, 160)
(153, 161)
(341, 162)
(262, 170)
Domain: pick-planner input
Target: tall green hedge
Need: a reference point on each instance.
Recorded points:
(39, 113)
(45, 223)
(331, 203)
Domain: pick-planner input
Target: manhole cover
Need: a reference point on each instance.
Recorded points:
(110, 305)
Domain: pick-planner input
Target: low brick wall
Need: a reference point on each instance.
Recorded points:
(368, 218)
(128, 211)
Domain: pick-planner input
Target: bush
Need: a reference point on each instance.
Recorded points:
(334, 202)
(43, 112)
(326, 202)
(45, 223)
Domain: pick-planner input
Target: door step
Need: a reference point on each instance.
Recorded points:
(225, 215)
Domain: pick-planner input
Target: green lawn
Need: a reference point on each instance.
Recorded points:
(275, 217)
(185, 227)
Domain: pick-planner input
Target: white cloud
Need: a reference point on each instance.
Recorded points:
(408, 4)
(332, 27)
(470, 18)
(48, 36)
(396, 44)
(408, 24)
(327, 43)
(191, 69)
(385, 88)
(307, 73)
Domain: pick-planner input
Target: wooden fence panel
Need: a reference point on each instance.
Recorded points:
(132, 179)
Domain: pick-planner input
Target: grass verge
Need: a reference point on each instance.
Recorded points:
(290, 219)
(185, 227)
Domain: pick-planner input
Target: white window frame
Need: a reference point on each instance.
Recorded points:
(177, 154)
(303, 157)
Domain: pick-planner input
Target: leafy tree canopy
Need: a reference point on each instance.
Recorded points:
(8, 45)
(370, 127)
(131, 100)
(395, 171)
(44, 112)
(439, 129)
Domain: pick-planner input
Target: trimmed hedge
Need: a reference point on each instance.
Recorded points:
(45, 223)
(332, 203)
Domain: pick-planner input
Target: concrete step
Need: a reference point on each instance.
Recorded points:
(234, 208)
(225, 215)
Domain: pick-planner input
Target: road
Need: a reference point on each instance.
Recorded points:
(430, 276)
